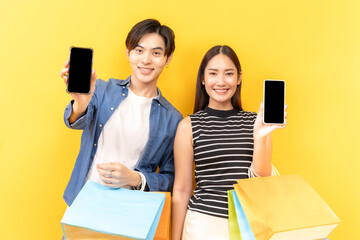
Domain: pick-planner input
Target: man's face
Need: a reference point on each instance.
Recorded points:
(148, 59)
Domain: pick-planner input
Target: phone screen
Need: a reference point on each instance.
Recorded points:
(274, 101)
(80, 64)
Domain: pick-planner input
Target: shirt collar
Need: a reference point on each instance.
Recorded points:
(158, 98)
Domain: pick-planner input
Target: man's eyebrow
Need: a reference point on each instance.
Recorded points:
(155, 48)
(158, 48)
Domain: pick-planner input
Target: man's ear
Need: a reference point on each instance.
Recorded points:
(239, 79)
(169, 59)
(127, 53)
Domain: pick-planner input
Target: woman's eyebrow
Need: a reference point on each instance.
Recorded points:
(215, 69)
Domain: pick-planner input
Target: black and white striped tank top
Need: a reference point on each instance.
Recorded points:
(223, 151)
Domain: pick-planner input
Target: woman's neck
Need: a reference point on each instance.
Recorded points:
(221, 106)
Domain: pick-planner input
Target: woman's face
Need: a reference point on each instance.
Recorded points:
(221, 80)
(148, 59)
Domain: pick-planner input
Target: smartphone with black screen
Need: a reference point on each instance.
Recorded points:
(80, 65)
(274, 101)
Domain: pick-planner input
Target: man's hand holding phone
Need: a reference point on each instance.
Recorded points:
(81, 100)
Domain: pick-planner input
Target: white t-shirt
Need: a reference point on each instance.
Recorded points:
(124, 136)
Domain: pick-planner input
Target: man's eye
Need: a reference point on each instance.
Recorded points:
(138, 50)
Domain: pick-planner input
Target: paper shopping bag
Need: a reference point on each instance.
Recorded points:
(283, 208)
(234, 230)
(99, 212)
(245, 229)
(163, 228)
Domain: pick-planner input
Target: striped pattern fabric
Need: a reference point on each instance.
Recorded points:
(223, 150)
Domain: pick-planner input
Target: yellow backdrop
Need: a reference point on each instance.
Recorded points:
(313, 45)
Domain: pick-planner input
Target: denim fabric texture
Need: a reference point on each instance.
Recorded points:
(158, 151)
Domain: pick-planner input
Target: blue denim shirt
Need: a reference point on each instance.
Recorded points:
(158, 151)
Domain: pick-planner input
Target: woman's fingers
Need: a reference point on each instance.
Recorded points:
(261, 109)
(261, 106)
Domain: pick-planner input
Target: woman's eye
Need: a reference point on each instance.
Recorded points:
(212, 73)
(230, 74)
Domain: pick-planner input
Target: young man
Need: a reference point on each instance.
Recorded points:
(128, 126)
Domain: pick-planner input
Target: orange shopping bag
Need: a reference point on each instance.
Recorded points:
(163, 229)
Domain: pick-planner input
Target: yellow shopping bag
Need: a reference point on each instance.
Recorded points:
(284, 207)
(234, 230)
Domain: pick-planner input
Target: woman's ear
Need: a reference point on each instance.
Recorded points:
(203, 82)
(239, 79)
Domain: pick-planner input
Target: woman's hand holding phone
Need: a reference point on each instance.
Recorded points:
(81, 100)
(261, 129)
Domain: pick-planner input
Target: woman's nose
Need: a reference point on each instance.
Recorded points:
(221, 80)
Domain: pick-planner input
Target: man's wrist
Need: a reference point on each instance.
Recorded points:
(140, 182)
(136, 183)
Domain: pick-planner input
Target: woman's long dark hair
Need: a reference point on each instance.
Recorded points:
(201, 97)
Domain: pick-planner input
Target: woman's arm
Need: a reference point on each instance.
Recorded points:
(262, 156)
(261, 164)
(184, 162)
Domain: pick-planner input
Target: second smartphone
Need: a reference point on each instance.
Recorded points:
(80, 68)
(274, 101)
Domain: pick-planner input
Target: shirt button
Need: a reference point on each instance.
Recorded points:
(94, 144)
(123, 87)
(159, 104)
(100, 125)
(112, 109)
(123, 94)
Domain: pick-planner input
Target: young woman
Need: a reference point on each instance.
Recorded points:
(128, 126)
(226, 144)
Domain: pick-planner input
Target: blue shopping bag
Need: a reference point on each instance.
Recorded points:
(245, 229)
(117, 213)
